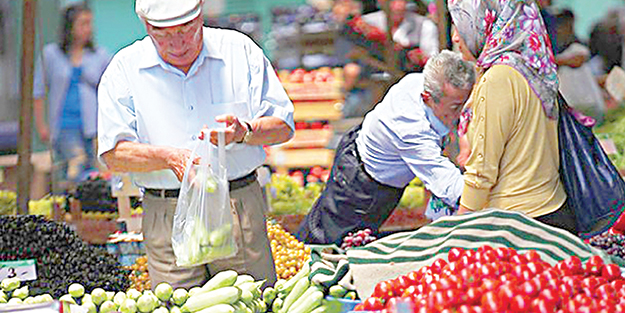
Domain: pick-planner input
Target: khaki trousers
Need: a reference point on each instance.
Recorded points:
(250, 232)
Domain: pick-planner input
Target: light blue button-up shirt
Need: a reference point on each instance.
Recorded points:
(144, 99)
(402, 138)
(55, 77)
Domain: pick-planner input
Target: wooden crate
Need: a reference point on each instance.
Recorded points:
(309, 138)
(284, 159)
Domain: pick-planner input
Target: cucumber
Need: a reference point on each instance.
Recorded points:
(309, 304)
(222, 279)
(299, 289)
(227, 295)
(218, 308)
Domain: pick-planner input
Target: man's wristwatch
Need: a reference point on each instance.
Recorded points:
(248, 133)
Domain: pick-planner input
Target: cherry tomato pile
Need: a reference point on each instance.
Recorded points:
(503, 281)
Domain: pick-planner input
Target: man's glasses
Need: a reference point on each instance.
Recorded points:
(167, 33)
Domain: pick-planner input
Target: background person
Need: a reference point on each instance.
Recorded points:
(70, 72)
(400, 139)
(156, 96)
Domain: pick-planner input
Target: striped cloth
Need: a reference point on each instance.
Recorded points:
(329, 267)
(403, 252)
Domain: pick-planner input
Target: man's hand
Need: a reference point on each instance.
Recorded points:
(234, 131)
(177, 161)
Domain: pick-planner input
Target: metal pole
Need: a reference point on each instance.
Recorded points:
(26, 110)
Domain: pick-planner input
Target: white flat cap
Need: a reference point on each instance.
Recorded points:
(166, 13)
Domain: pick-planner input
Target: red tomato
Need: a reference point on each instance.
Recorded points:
(606, 291)
(489, 284)
(611, 272)
(551, 296)
(372, 304)
(594, 266)
(590, 283)
(618, 284)
(451, 268)
(509, 279)
(484, 248)
(436, 300)
(414, 277)
(506, 293)
(529, 289)
(574, 266)
(454, 254)
(520, 304)
(503, 254)
(542, 306)
(473, 296)
(359, 307)
(438, 265)
(397, 304)
(492, 303)
(401, 283)
(535, 267)
(383, 290)
(532, 256)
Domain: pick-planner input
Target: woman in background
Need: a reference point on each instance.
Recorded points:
(70, 72)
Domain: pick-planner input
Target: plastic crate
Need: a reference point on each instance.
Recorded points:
(347, 305)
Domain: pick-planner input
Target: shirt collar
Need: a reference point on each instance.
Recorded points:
(436, 123)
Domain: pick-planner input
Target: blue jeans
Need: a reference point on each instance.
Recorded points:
(69, 144)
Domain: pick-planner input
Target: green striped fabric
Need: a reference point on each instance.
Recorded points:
(329, 267)
(401, 253)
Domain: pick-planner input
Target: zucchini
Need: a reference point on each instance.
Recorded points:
(337, 291)
(309, 303)
(222, 279)
(307, 294)
(243, 279)
(227, 295)
(299, 289)
(289, 284)
(269, 294)
(276, 305)
(218, 308)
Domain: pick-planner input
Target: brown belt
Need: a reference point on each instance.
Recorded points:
(233, 185)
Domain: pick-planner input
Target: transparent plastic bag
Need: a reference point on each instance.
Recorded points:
(202, 230)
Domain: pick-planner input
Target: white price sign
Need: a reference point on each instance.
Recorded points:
(22, 270)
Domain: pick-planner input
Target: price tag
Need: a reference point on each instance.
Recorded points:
(23, 270)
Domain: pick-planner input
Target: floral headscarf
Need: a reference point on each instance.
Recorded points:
(510, 32)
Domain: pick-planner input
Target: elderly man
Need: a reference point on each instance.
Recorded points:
(400, 139)
(158, 93)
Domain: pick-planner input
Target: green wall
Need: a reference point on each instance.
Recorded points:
(116, 24)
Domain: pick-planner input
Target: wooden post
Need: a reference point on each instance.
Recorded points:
(26, 110)
(441, 15)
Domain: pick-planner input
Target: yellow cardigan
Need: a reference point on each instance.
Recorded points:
(514, 148)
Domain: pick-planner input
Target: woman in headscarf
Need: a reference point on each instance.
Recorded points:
(513, 128)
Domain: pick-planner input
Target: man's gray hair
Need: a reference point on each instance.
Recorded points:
(447, 67)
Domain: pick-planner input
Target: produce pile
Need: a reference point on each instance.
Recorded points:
(501, 280)
(62, 258)
(43, 206)
(139, 275)
(224, 292)
(300, 295)
(613, 244)
(288, 196)
(613, 127)
(289, 255)
(95, 195)
(8, 202)
(358, 239)
(414, 195)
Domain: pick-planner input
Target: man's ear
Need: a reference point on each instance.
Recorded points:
(426, 96)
